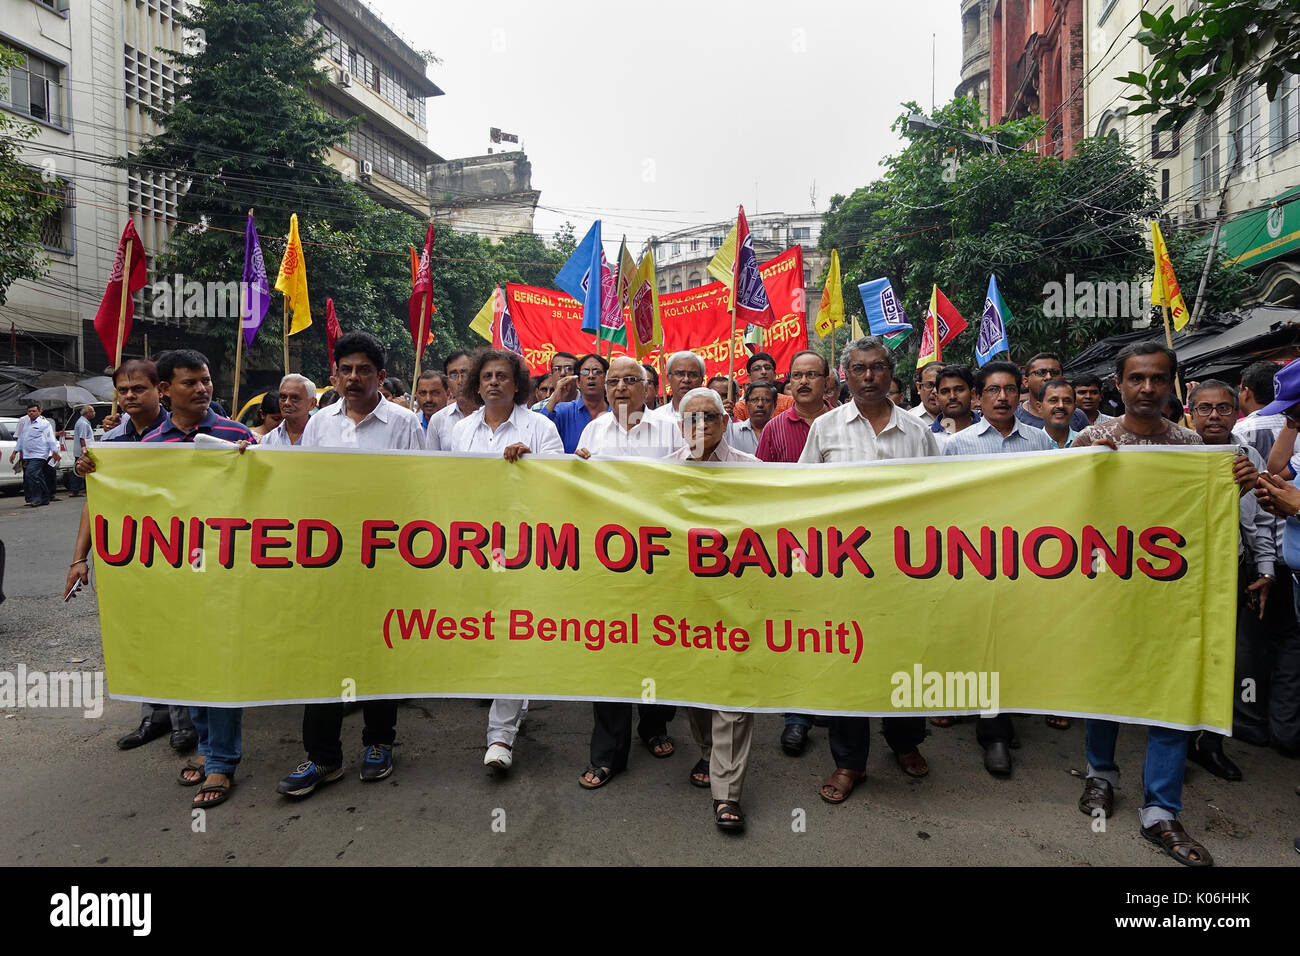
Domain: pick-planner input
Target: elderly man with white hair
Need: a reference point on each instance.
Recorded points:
(297, 399)
(724, 737)
(627, 430)
(685, 372)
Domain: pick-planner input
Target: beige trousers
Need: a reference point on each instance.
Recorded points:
(724, 738)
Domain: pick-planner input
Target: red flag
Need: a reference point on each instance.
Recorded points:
(110, 306)
(332, 330)
(422, 294)
(951, 324)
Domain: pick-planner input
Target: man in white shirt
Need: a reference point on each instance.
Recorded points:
(497, 380)
(437, 436)
(927, 386)
(297, 399)
(627, 430)
(35, 445)
(869, 427)
(362, 418)
(760, 402)
(685, 372)
(82, 432)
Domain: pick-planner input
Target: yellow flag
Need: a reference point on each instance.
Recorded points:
(626, 272)
(482, 323)
(857, 329)
(830, 314)
(930, 349)
(292, 280)
(1164, 287)
(644, 330)
(723, 263)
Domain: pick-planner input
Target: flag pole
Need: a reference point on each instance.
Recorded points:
(239, 340)
(286, 334)
(121, 318)
(1169, 341)
(424, 317)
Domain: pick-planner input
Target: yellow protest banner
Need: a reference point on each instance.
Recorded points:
(1105, 585)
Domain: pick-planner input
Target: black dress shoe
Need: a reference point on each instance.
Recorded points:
(183, 741)
(147, 731)
(1214, 760)
(997, 759)
(793, 739)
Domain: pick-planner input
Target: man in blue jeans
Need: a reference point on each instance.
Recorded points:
(1145, 372)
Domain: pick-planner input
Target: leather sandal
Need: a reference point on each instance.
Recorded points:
(1097, 795)
(842, 782)
(913, 764)
(195, 767)
(602, 775)
(222, 791)
(1170, 836)
(701, 768)
(731, 808)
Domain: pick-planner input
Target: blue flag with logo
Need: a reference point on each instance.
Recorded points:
(885, 314)
(993, 327)
(580, 277)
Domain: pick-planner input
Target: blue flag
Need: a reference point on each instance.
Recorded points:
(581, 278)
(993, 327)
(885, 314)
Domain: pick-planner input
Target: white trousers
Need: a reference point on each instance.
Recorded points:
(504, 720)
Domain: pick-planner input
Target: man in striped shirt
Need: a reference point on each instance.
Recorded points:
(869, 427)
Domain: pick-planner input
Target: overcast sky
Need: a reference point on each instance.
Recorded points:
(658, 116)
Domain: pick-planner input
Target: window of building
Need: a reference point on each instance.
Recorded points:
(695, 245)
(1205, 157)
(35, 88)
(807, 276)
(56, 228)
(677, 284)
(663, 288)
(1159, 150)
(1245, 126)
(1164, 184)
(694, 281)
(1284, 118)
(715, 242)
(677, 248)
(802, 233)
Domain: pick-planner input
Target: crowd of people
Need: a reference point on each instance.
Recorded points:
(592, 407)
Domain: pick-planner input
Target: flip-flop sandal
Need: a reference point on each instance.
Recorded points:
(222, 791)
(701, 766)
(842, 782)
(190, 765)
(659, 741)
(602, 774)
(731, 807)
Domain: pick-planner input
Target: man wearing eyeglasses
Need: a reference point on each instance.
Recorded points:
(297, 399)
(572, 417)
(1039, 370)
(869, 427)
(998, 433)
(1146, 372)
(1213, 406)
(564, 370)
(437, 434)
(927, 387)
(685, 372)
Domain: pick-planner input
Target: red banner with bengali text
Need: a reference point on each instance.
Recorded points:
(695, 319)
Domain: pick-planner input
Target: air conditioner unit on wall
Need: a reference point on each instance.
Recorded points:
(367, 168)
(345, 78)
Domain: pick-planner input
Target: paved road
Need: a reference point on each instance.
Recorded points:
(70, 797)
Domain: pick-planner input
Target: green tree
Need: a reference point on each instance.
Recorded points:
(949, 210)
(25, 198)
(1195, 57)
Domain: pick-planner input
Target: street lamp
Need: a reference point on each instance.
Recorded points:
(919, 121)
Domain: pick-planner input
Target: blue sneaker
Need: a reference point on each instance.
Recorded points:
(304, 781)
(376, 762)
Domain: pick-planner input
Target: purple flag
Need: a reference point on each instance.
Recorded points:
(255, 293)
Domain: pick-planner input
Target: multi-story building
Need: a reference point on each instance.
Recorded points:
(975, 25)
(90, 70)
(491, 195)
(1238, 170)
(1036, 67)
(681, 257)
